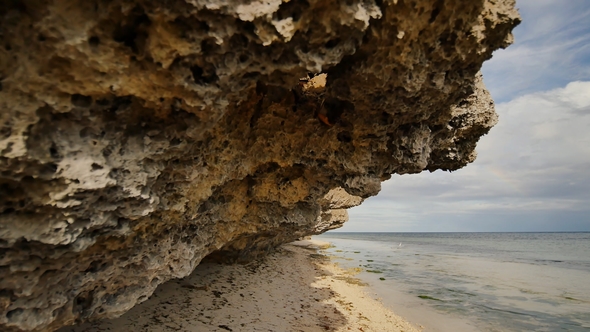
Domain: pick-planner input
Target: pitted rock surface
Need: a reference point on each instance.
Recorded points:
(138, 137)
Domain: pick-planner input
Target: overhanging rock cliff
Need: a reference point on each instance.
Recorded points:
(138, 137)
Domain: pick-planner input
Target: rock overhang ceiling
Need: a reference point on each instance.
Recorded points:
(138, 137)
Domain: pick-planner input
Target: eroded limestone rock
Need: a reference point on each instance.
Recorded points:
(137, 137)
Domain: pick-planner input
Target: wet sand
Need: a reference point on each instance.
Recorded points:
(294, 289)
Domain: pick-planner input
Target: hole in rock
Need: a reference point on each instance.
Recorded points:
(53, 152)
(436, 11)
(12, 314)
(27, 179)
(96, 167)
(336, 107)
(293, 9)
(5, 293)
(203, 76)
(208, 46)
(94, 41)
(203, 26)
(447, 39)
(8, 148)
(5, 188)
(332, 43)
(133, 33)
(94, 267)
(238, 42)
(243, 58)
(103, 102)
(79, 100)
(5, 131)
(251, 75)
(344, 137)
(261, 88)
(51, 167)
(82, 302)
(175, 142)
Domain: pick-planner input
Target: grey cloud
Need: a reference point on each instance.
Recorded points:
(582, 111)
(533, 172)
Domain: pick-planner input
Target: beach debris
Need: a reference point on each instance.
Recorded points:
(426, 297)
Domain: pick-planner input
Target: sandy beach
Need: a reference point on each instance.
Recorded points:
(293, 289)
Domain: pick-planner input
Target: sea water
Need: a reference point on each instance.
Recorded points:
(475, 281)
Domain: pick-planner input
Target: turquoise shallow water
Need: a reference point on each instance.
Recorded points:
(493, 281)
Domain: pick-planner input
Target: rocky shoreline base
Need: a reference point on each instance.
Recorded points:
(293, 289)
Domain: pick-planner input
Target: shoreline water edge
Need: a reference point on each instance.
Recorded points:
(466, 282)
(297, 288)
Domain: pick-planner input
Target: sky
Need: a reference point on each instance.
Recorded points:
(532, 172)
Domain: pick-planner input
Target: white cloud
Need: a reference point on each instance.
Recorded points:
(533, 170)
(552, 48)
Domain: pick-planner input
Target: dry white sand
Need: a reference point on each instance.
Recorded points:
(294, 289)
